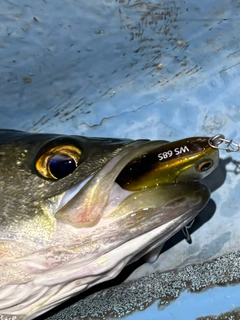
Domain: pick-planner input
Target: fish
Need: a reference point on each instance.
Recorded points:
(76, 210)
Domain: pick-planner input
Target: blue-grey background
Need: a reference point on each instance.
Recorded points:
(129, 68)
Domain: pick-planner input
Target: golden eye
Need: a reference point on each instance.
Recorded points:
(58, 162)
(204, 165)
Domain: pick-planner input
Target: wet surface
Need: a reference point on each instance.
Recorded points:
(164, 287)
(157, 70)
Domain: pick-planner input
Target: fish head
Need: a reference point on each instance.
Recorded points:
(73, 216)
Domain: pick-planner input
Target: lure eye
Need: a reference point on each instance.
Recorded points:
(58, 162)
(204, 165)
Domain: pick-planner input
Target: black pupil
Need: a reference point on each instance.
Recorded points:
(61, 165)
(206, 166)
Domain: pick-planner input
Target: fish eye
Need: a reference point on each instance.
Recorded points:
(204, 165)
(58, 162)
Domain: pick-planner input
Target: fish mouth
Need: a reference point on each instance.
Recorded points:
(99, 195)
(103, 193)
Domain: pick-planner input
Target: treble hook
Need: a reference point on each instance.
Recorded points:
(186, 232)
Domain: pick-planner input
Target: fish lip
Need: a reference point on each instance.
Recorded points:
(71, 192)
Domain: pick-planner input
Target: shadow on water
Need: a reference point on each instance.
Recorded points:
(214, 181)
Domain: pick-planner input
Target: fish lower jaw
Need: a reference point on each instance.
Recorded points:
(28, 300)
